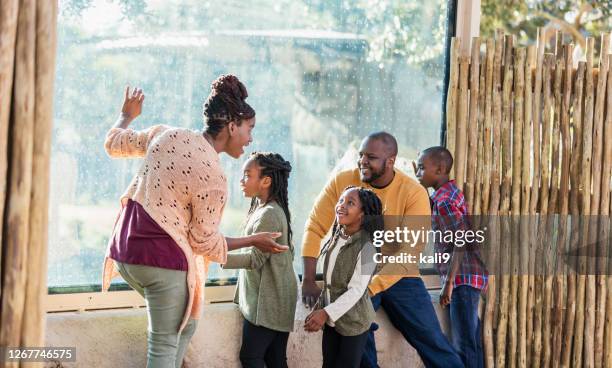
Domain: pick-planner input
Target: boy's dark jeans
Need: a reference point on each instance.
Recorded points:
(409, 307)
(465, 325)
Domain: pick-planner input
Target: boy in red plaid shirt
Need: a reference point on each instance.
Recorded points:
(465, 276)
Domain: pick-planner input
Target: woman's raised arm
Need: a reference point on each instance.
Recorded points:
(124, 142)
(132, 107)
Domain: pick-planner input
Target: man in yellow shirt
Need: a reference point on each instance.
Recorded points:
(397, 287)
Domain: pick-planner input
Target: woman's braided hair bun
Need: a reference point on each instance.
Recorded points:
(226, 103)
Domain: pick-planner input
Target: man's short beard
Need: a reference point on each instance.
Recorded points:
(375, 174)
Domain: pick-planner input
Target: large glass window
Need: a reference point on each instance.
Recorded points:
(320, 74)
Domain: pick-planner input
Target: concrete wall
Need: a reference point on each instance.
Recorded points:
(117, 338)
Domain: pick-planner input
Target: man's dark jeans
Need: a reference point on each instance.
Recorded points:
(409, 307)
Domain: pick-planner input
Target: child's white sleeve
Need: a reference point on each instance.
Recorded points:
(357, 286)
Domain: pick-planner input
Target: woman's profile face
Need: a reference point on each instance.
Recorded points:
(240, 137)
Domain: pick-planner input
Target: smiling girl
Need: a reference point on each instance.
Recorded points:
(346, 311)
(267, 285)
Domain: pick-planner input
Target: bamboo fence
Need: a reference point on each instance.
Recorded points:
(531, 133)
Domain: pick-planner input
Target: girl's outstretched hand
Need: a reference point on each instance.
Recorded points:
(132, 105)
(265, 242)
(315, 320)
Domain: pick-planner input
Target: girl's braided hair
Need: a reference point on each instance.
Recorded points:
(275, 166)
(372, 216)
(226, 103)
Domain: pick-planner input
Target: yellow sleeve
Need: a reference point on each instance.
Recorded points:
(321, 219)
(417, 215)
(419, 203)
(382, 282)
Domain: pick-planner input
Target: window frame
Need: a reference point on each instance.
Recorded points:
(463, 19)
(125, 299)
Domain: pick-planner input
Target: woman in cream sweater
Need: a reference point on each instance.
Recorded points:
(168, 229)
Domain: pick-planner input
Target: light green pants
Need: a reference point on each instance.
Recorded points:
(165, 293)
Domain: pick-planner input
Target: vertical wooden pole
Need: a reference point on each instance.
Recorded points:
(607, 348)
(599, 187)
(517, 308)
(461, 131)
(452, 97)
(497, 122)
(20, 179)
(36, 290)
(558, 281)
(576, 174)
(493, 204)
(563, 276)
(551, 324)
(558, 45)
(517, 128)
(477, 210)
(507, 125)
(529, 183)
(472, 129)
(528, 145)
(535, 194)
(587, 143)
(488, 149)
(537, 119)
(565, 103)
(502, 327)
(8, 30)
(540, 336)
(592, 280)
(562, 282)
(554, 185)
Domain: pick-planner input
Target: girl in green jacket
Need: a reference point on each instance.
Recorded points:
(348, 264)
(267, 285)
